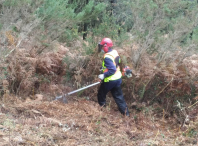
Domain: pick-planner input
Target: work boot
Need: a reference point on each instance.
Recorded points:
(127, 114)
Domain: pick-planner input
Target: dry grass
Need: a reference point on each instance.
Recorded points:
(83, 122)
(25, 68)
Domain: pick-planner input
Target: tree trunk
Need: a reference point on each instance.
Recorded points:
(85, 26)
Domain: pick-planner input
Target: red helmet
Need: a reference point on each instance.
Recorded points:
(106, 42)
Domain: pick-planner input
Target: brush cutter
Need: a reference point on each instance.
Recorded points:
(64, 96)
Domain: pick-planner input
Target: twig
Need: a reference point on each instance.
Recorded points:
(10, 52)
(144, 87)
(13, 49)
(164, 87)
(193, 104)
(156, 136)
(31, 142)
(163, 119)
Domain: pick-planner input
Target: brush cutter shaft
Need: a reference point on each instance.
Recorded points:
(59, 97)
(83, 88)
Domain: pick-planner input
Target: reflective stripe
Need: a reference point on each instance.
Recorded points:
(117, 75)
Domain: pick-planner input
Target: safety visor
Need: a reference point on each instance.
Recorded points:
(99, 47)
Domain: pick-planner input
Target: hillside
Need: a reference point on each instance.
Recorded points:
(50, 47)
(83, 122)
(35, 118)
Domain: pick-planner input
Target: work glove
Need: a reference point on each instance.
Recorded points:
(101, 76)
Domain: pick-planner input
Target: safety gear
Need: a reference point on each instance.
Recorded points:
(100, 48)
(101, 76)
(126, 71)
(113, 55)
(106, 43)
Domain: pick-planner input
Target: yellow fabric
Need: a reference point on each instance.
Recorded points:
(117, 75)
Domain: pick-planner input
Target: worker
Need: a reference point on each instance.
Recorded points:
(111, 76)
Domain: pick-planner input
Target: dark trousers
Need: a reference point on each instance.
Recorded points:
(116, 91)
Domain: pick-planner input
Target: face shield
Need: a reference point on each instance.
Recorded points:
(99, 47)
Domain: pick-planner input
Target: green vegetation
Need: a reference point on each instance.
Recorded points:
(49, 47)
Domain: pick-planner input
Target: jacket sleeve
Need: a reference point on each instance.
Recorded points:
(110, 66)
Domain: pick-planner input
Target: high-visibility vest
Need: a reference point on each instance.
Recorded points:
(117, 75)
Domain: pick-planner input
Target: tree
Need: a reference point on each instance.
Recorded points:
(62, 16)
(162, 26)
